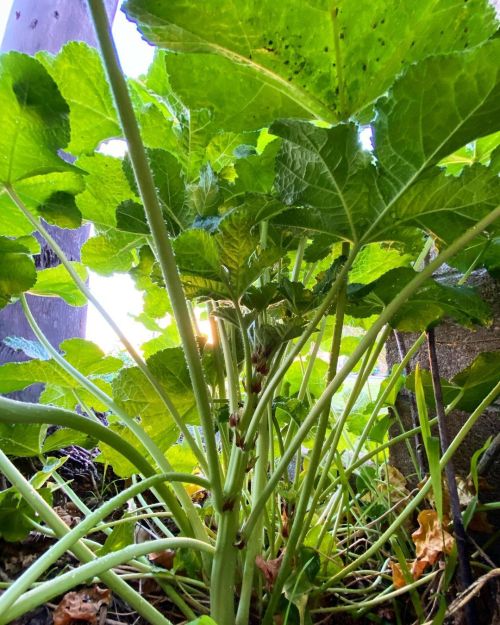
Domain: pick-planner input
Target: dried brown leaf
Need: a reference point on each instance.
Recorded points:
(163, 558)
(431, 540)
(398, 578)
(82, 605)
(270, 568)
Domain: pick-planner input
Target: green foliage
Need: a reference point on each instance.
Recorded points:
(17, 270)
(268, 230)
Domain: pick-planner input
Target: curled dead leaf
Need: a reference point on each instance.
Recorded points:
(163, 558)
(431, 540)
(394, 484)
(82, 605)
(269, 568)
(398, 578)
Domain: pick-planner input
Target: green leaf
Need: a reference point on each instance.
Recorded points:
(61, 209)
(64, 437)
(197, 253)
(16, 376)
(437, 201)
(202, 620)
(224, 265)
(111, 252)
(432, 302)
(255, 61)
(478, 151)
(79, 74)
(33, 118)
(477, 380)
(22, 440)
(434, 109)
(56, 282)
(255, 173)
(63, 395)
(88, 358)
(326, 172)
(15, 515)
(35, 193)
(122, 536)
(138, 397)
(17, 270)
(130, 217)
(204, 197)
(106, 187)
(317, 381)
(374, 260)
(121, 465)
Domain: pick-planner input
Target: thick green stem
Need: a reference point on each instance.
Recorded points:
(222, 589)
(163, 246)
(255, 545)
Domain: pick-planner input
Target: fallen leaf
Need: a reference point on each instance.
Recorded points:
(394, 483)
(418, 567)
(431, 540)
(69, 514)
(398, 578)
(270, 568)
(163, 558)
(82, 605)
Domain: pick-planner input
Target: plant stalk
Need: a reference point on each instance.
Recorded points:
(163, 246)
(458, 526)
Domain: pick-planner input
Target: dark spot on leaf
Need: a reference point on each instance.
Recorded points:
(289, 79)
(336, 11)
(364, 67)
(377, 59)
(374, 25)
(442, 32)
(325, 48)
(56, 14)
(382, 21)
(33, 24)
(18, 14)
(270, 42)
(287, 62)
(341, 36)
(466, 30)
(412, 44)
(336, 91)
(287, 46)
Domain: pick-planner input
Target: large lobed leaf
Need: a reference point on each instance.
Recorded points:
(254, 61)
(336, 189)
(33, 119)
